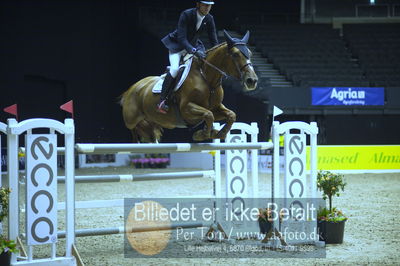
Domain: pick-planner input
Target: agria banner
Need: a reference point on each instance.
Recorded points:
(347, 96)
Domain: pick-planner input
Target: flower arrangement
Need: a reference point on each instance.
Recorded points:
(150, 161)
(6, 245)
(330, 184)
(334, 215)
(4, 192)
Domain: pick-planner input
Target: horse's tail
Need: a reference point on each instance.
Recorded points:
(122, 98)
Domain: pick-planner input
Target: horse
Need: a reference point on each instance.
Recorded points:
(199, 100)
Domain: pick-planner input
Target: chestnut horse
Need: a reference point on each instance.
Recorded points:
(199, 99)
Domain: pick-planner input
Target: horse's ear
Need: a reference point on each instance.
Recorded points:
(246, 37)
(228, 38)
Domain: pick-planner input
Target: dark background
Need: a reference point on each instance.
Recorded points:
(92, 51)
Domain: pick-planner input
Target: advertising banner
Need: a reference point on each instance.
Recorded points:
(347, 96)
(374, 157)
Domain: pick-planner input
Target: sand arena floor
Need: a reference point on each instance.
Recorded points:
(371, 234)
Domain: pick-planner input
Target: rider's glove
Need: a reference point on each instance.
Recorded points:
(200, 54)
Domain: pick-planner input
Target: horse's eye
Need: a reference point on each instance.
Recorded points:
(236, 55)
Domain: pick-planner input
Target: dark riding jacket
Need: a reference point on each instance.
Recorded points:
(186, 36)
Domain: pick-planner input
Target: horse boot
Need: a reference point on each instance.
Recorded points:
(162, 107)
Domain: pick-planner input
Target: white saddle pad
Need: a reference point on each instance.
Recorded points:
(158, 86)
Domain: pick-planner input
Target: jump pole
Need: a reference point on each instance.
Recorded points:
(123, 229)
(123, 148)
(102, 148)
(140, 177)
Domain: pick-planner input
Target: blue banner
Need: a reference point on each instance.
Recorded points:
(347, 96)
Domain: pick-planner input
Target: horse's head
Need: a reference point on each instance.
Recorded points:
(240, 55)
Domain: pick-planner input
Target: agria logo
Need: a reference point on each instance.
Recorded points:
(348, 96)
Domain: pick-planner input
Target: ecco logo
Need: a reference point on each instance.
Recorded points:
(237, 175)
(296, 148)
(295, 168)
(41, 188)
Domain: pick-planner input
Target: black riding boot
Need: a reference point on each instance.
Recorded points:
(162, 107)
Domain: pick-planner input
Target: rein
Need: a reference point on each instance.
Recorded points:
(239, 69)
(223, 73)
(216, 68)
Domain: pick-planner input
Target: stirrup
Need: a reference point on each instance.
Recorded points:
(162, 107)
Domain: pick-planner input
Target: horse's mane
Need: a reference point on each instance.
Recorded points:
(215, 47)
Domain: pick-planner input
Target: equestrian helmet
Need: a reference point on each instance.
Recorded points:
(205, 2)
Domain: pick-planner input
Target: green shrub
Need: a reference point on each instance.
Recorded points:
(330, 184)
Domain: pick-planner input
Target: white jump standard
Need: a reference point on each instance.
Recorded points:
(41, 154)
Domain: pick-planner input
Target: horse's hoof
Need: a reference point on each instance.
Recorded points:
(214, 134)
(199, 136)
(221, 135)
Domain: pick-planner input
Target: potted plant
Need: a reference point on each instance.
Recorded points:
(331, 221)
(6, 246)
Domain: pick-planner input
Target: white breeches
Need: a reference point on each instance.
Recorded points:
(174, 59)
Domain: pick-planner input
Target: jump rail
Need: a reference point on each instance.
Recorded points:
(92, 148)
(140, 177)
(118, 148)
(122, 229)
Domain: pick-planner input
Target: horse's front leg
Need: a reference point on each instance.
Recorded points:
(223, 113)
(192, 111)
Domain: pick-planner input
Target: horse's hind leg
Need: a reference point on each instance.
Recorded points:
(149, 132)
(135, 136)
(132, 117)
(145, 131)
(157, 132)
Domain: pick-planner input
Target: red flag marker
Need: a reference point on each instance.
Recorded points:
(12, 109)
(68, 107)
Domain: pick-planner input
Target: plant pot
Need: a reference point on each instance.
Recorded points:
(5, 258)
(330, 232)
(265, 226)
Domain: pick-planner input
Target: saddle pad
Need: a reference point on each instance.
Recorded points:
(186, 68)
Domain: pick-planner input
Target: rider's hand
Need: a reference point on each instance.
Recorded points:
(200, 54)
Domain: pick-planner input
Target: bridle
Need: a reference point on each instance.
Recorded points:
(223, 73)
(246, 54)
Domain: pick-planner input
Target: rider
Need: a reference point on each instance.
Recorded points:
(185, 39)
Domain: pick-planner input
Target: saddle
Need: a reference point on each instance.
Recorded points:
(180, 78)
